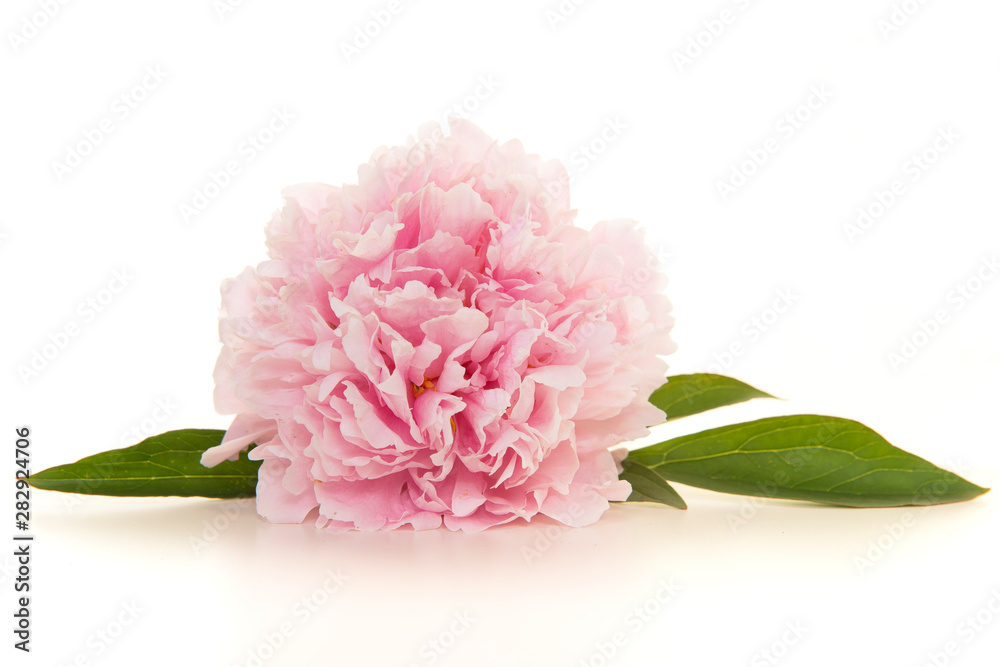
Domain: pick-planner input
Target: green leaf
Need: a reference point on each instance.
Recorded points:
(685, 395)
(805, 457)
(168, 464)
(648, 485)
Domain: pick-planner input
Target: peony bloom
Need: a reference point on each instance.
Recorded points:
(439, 343)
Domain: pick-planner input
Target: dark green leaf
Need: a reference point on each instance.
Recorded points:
(805, 457)
(685, 395)
(164, 465)
(648, 485)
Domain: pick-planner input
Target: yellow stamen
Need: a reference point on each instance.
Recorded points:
(417, 390)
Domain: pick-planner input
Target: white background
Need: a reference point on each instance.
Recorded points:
(869, 587)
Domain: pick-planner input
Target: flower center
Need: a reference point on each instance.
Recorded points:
(429, 384)
(417, 390)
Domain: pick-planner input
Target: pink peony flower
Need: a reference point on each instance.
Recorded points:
(440, 343)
